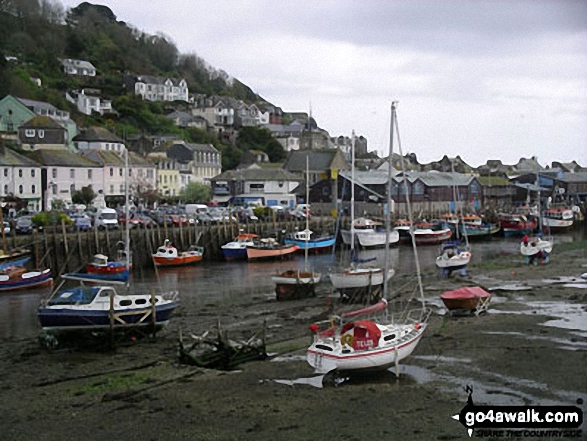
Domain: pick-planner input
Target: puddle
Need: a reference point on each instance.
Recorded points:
(575, 285)
(311, 381)
(511, 287)
(288, 358)
(567, 316)
(441, 358)
(565, 344)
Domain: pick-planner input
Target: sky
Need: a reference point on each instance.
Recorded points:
(482, 79)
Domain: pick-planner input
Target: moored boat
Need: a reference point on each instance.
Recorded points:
(514, 224)
(557, 218)
(469, 298)
(167, 255)
(237, 249)
(102, 265)
(453, 257)
(535, 249)
(304, 238)
(269, 248)
(14, 276)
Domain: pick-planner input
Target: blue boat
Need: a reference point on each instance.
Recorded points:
(14, 276)
(303, 239)
(122, 276)
(237, 249)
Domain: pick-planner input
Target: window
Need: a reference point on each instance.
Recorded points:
(71, 188)
(54, 188)
(41, 133)
(54, 173)
(5, 172)
(20, 189)
(89, 173)
(29, 133)
(20, 172)
(122, 188)
(111, 171)
(111, 189)
(6, 189)
(120, 171)
(33, 189)
(32, 172)
(72, 173)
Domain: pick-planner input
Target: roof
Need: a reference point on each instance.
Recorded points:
(44, 122)
(36, 104)
(372, 177)
(9, 157)
(258, 174)
(152, 79)
(78, 63)
(319, 160)
(97, 134)
(109, 157)
(61, 158)
(574, 177)
(201, 147)
(441, 179)
(493, 180)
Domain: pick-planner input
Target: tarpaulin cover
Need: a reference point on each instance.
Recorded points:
(467, 292)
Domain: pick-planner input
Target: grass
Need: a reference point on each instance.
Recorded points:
(115, 382)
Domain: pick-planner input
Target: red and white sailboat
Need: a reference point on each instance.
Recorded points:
(369, 338)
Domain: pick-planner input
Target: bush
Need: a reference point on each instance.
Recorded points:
(46, 218)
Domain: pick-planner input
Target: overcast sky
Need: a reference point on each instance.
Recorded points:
(480, 79)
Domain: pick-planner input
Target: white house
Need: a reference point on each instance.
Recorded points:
(88, 101)
(20, 177)
(98, 138)
(78, 67)
(203, 160)
(154, 88)
(63, 173)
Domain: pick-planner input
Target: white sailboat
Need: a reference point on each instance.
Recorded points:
(294, 284)
(355, 343)
(357, 276)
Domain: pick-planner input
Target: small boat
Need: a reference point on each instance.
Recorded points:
(453, 257)
(472, 219)
(479, 231)
(514, 224)
(425, 233)
(269, 248)
(102, 265)
(304, 237)
(101, 307)
(237, 249)
(470, 298)
(14, 254)
(14, 276)
(167, 255)
(292, 284)
(369, 234)
(557, 218)
(535, 249)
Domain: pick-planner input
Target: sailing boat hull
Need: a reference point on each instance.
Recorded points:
(291, 285)
(359, 278)
(342, 358)
(375, 238)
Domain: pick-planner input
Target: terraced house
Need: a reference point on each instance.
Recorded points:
(20, 176)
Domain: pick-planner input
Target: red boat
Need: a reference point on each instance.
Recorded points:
(269, 248)
(514, 224)
(468, 298)
(101, 265)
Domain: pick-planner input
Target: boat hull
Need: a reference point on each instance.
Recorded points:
(111, 268)
(468, 298)
(291, 284)
(315, 245)
(231, 254)
(176, 261)
(375, 238)
(30, 279)
(324, 361)
(271, 253)
(358, 278)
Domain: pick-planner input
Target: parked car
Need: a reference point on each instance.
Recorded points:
(204, 218)
(142, 221)
(24, 225)
(82, 222)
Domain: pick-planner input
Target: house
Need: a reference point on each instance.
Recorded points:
(88, 101)
(270, 114)
(98, 138)
(203, 161)
(246, 115)
(568, 167)
(315, 138)
(61, 116)
(78, 67)
(20, 176)
(42, 132)
(344, 143)
(141, 173)
(13, 113)
(324, 164)
(185, 119)
(288, 135)
(574, 186)
(265, 186)
(63, 172)
(154, 88)
(169, 174)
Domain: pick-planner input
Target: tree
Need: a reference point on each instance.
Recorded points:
(84, 196)
(196, 192)
(260, 139)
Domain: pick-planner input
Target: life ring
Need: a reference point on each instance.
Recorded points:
(347, 339)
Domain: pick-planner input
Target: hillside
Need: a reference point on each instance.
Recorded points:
(35, 36)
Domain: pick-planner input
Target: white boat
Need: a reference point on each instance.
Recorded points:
(369, 234)
(353, 342)
(452, 257)
(532, 246)
(558, 218)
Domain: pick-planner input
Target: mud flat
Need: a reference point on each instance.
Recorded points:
(530, 348)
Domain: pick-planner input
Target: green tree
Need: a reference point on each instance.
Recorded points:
(196, 192)
(255, 138)
(83, 196)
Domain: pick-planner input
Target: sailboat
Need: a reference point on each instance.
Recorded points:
(452, 256)
(353, 342)
(296, 284)
(357, 277)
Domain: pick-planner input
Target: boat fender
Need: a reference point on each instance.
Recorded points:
(347, 339)
(417, 326)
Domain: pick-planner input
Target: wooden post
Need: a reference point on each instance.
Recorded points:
(4, 249)
(96, 241)
(111, 317)
(36, 244)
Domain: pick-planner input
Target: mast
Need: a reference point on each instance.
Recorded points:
(127, 228)
(538, 190)
(388, 212)
(307, 212)
(352, 194)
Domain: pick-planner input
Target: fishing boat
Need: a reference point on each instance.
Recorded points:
(535, 249)
(14, 276)
(269, 248)
(293, 283)
(424, 233)
(237, 249)
(557, 218)
(357, 277)
(101, 264)
(304, 238)
(470, 298)
(484, 230)
(369, 234)
(515, 224)
(368, 339)
(452, 257)
(167, 255)
(87, 306)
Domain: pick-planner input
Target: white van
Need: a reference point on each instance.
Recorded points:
(106, 218)
(193, 209)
